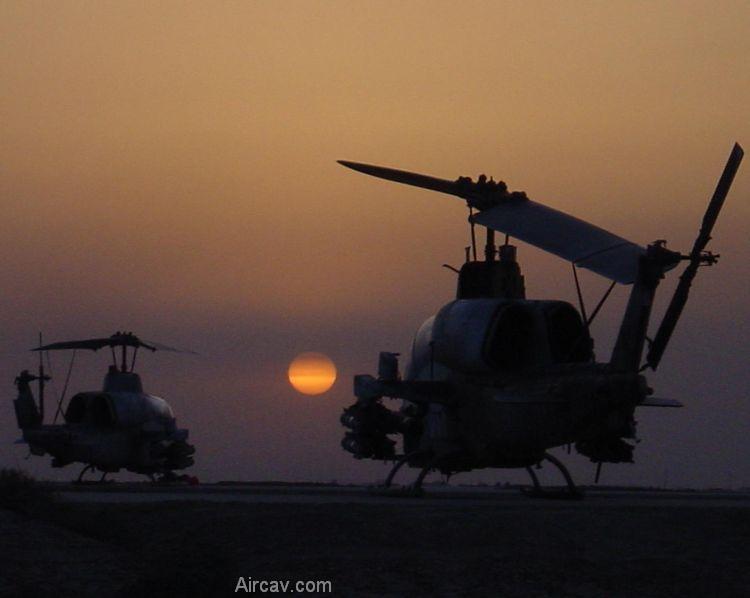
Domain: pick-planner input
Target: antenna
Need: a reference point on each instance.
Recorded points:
(65, 388)
(41, 381)
(473, 235)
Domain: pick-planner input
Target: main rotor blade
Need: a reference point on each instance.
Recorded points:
(570, 238)
(160, 347)
(120, 339)
(565, 236)
(411, 178)
(94, 344)
(680, 297)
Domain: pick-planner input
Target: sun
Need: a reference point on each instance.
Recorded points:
(312, 373)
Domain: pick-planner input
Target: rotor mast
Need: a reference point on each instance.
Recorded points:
(489, 248)
(497, 277)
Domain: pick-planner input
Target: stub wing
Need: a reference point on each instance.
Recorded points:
(565, 236)
(657, 402)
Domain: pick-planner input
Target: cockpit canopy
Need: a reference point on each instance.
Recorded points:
(496, 336)
(94, 408)
(115, 409)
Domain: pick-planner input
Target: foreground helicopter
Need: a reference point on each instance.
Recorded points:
(119, 427)
(495, 379)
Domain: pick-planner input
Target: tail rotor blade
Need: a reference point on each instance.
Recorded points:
(717, 201)
(680, 297)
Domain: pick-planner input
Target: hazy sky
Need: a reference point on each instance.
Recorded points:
(170, 168)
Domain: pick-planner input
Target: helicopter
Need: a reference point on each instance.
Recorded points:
(119, 427)
(496, 380)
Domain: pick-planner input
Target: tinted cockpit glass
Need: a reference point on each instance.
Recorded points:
(100, 411)
(568, 340)
(511, 341)
(76, 411)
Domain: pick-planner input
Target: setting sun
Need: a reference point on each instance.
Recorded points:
(312, 373)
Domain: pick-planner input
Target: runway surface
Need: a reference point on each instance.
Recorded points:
(455, 541)
(443, 495)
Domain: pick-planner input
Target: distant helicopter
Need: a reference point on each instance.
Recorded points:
(119, 427)
(495, 379)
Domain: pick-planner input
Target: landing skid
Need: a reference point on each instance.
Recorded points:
(170, 478)
(572, 492)
(396, 491)
(167, 477)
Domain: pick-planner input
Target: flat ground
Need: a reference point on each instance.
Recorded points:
(198, 541)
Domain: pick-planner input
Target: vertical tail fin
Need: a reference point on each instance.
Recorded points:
(27, 413)
(626, 355)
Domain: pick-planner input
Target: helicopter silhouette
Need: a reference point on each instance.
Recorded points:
(496, 380)
(119, 427)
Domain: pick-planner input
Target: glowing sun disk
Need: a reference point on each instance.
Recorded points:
(312, 373)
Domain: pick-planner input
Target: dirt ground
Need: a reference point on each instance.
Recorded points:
(423, 548)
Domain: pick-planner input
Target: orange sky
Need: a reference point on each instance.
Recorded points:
(171, 169)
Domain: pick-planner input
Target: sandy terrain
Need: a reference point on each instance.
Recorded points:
(509, 547)
(42, 559)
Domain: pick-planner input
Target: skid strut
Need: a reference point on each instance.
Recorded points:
(79, 480)
(534, 479)
(417, 487)
(572, 491)
(399, 464)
